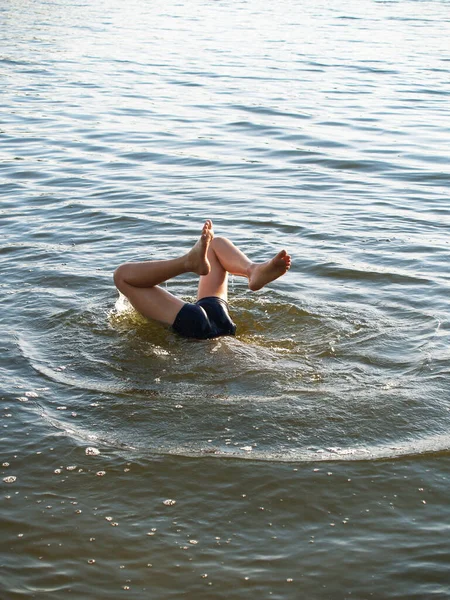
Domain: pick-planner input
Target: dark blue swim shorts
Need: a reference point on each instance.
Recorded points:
(207, 318)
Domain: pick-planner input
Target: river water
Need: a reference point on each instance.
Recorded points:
(309, 456)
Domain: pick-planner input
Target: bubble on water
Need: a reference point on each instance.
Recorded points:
(10, 479)
(91, 561)
(100, 473)
(108, 518)
(5, 464)
(91, 451)
(169, 502)
(193, 542)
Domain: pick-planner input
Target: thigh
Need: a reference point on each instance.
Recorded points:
(216, 282)
(154, 303)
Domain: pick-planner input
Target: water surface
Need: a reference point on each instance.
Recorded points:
(308, 456)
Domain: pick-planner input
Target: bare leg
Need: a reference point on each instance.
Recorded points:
(216, 282)
(139, 281)
(224, 257)
(260, 274)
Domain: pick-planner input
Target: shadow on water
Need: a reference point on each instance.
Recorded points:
(309, 382)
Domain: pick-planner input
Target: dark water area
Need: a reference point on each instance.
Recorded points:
(309, 456)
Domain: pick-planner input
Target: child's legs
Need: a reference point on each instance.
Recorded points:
(224, 258)
(139, 282)
(230, 257)
(153, 302)
(216, 282)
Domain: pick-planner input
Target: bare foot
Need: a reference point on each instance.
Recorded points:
(197, 261)
(262, 274)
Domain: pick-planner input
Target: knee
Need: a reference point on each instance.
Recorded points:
(217, 241)
(119, 277)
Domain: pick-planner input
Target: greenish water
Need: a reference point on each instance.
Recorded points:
(308, 457)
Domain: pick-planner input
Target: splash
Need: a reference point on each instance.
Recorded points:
(298, 383)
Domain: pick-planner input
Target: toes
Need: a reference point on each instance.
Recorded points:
(207, 228)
